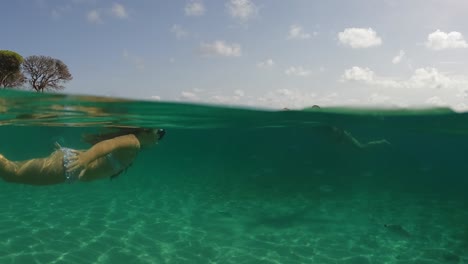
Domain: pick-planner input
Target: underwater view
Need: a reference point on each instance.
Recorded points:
(239, 185)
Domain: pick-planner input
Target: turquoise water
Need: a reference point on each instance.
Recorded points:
(233, 185)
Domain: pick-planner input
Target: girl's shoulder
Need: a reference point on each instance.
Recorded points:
(127, 141)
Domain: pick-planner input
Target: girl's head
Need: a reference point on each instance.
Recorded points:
(148, 137)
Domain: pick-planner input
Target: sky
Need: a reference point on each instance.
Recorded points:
(253, 53)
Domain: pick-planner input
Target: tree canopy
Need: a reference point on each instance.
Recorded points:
(10, 69)
(45, 72)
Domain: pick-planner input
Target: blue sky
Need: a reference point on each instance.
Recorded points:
(257, 53)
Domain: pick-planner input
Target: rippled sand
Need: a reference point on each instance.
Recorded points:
(114, 223)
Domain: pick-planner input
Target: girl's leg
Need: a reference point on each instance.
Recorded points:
(8, 169)
(42, 171)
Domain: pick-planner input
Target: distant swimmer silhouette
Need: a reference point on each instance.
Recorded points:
(111, 154)
(344, 137)
(398, 230)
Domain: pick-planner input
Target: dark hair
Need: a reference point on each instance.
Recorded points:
(120, 131)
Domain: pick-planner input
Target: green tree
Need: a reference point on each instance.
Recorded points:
(44, 72)
(10, 69)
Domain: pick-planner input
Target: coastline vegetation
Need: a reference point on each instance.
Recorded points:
(36, 72)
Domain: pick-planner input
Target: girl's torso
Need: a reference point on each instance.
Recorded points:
(110, 164)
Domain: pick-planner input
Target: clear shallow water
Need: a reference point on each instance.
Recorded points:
(241, 186)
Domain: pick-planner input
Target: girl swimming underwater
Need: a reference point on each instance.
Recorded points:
(109, 156)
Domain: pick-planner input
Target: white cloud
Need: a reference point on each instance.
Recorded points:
(461, 107)
(119, 11)
(156, 97)
(280, 98)
(429, 78)
(359, 38)
(94, 16)
(376, 98)
(381, 100)
(286, 98)
(178, 31)
(242, 9)
(188, 96)
(138, 62)
(220, 48)
(439, 40)
(397, 59)
(436, 101)
(200, 95)
(297, 32)
(418, 89)
(422, 78)
(228, 99)
(239, 93)
(297, 71)
(359, 74)
(266, 64)
(225, 99)
(195, 8)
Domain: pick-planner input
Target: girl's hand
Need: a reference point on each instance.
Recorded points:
(78, 161)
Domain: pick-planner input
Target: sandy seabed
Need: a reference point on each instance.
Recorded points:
(193, 224)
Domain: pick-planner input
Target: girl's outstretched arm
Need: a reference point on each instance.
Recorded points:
(81, 159)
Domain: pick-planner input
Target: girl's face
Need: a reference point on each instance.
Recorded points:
(150, 137)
